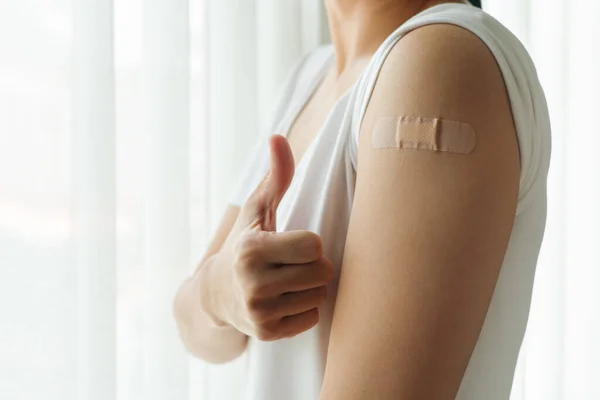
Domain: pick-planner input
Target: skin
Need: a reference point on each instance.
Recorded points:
(428, 230)
(257, 282)
(427, 234)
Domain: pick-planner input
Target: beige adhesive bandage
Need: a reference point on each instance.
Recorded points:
(424, 133)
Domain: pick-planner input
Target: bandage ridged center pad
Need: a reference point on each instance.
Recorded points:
(417, 133)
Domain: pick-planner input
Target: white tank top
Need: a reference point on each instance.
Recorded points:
(321, 194)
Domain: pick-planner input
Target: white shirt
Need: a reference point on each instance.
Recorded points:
(321, 194)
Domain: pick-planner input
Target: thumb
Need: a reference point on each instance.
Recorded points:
(263, 202)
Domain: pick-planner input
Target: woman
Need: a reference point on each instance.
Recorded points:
(386, 248)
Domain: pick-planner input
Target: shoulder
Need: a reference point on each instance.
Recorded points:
(441, 61)
(442, 71)
(441, 43)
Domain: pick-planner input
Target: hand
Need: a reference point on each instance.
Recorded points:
(268, 285)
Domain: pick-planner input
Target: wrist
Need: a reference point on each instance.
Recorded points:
(208, 282)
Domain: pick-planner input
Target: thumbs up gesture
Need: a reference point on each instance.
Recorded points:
(271, 282)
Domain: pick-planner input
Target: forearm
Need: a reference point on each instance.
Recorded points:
(198, 318)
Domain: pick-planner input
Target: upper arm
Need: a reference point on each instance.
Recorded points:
(428, 230)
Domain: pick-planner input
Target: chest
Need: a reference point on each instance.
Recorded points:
(309, 121)
(316, 108)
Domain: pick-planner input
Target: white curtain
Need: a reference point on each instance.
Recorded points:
(560, 358)
(123, 124)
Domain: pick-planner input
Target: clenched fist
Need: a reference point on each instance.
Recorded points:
(269, 284)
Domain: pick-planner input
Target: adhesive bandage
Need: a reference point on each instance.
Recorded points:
(424, 133)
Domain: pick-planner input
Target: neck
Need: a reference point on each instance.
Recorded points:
(358, 27)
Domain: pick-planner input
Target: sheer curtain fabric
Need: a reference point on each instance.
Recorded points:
(124, 123)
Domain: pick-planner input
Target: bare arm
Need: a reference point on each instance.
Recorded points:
(198, 330)
(428, 229)
(254, 281)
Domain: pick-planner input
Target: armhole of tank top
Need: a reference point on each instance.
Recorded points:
(364, 90)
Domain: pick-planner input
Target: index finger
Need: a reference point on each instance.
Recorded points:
(292, 247)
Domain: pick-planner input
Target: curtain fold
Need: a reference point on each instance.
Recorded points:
(581, 344)
(543, 370)
(166, 235)
(560, 356)
(94, 197)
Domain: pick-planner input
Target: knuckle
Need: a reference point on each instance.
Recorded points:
(249, 247)
(251, 293)
(311, 319)
(284, 301)
(248, 251)
(317, 243)
(327, 269)
(253, 287)
(256, 310)
(313, 243)
(322, 271)
(266, 334)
